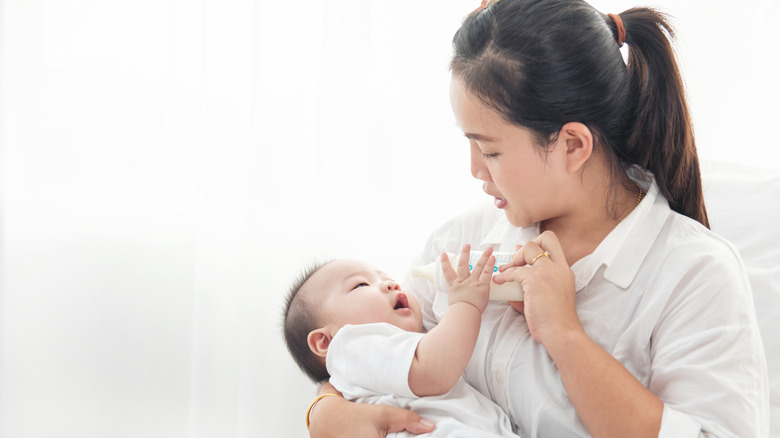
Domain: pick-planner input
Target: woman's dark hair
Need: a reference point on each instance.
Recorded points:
(544, 63)
(298, 320)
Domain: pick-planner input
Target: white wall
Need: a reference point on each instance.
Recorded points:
(167, 167)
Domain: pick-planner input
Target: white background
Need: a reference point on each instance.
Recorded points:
(168, 167)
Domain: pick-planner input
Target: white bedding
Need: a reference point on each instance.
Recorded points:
(743, 203)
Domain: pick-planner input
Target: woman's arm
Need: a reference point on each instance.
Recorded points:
(443, 353)
(335, 417)
(609, 400)
(707, 372)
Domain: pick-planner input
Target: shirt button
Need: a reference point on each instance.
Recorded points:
(499, 377)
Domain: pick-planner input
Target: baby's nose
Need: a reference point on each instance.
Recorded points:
(390, 285)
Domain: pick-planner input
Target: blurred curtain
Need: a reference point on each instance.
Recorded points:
(167, 167)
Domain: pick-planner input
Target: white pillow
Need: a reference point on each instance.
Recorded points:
(743, 204)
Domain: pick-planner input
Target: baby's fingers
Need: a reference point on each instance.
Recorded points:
(447, 270)
(486, 262)
(463, 262)
(487, 272)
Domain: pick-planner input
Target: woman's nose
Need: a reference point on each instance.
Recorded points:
(478, 169)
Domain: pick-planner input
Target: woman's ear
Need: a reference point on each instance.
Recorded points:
(578, 143)
(319, 341)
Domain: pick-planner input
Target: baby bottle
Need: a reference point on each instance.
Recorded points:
(509, 291)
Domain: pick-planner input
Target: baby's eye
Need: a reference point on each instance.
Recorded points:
(360, 285)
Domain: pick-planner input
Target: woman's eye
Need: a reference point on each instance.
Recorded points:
(493, 155)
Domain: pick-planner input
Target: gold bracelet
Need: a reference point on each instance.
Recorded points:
(314, 402)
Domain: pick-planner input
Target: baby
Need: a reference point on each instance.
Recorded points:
(348, 322)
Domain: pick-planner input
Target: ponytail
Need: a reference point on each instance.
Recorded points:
(661, 136)
(527, 61)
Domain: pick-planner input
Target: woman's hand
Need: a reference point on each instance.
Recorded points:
(335, 417)
(549, 293)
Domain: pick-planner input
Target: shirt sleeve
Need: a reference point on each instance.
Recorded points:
(372, 359)
(677, 424)
(708, 361)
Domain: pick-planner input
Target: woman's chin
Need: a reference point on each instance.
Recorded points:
(517, 220)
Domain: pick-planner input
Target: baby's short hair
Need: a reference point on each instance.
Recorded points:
(299, 319)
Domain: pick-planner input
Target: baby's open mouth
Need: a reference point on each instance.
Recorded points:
(401, 302)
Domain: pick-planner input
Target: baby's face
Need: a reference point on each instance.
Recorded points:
(354, 292)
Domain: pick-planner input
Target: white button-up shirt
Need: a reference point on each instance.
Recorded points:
(665, 296)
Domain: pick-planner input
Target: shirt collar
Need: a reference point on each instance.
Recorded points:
(626, 247)
(622, 251)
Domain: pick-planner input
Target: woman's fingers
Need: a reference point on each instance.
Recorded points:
(533, 253)
(548, 241)
(514, 261)
(341, 418)
(516, 274)
(519, 306)
(530, 255)
(397, 420)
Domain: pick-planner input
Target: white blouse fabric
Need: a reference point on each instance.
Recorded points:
(665, 296)
(369, 363)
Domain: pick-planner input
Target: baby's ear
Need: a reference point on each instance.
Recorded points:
(319, 341)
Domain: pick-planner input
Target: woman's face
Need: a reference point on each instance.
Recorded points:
(515, 171)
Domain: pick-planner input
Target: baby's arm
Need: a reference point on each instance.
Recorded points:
(443, 353)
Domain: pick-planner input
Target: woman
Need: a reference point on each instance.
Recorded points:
(637, 320)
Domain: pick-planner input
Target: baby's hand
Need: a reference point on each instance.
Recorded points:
(473, 286)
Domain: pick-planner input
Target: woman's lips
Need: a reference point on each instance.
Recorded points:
(499, 202)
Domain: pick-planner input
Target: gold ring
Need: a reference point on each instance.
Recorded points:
(544, 254)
